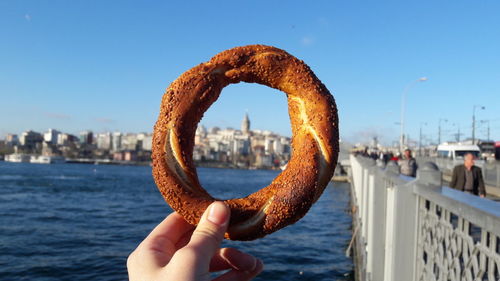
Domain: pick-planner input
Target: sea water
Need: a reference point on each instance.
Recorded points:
(80, 222)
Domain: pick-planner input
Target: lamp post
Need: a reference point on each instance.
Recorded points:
(474, 121)
(420, 139)
(455, 135)
(439, 129)
(488, 128)
(403, 98)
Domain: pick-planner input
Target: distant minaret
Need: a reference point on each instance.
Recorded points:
(245, 124)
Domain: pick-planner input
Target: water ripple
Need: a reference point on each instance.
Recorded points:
(80, 222)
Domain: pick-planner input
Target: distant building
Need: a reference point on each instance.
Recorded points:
(130, 155)
(201, 134)
(214, 130)
(269, 144)
(241, 146)
(147, 142)
(11, 140)
(51, 136)
(116, 142)
(129, 142)
(125, 155)
(118, 156)
(64, 139)
(86, 137)
(245, 125)
(30, 138)
(104, 141)
(142, 138)
(49, 149)
(264, 161)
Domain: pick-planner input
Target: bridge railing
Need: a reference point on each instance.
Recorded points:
(417, 229)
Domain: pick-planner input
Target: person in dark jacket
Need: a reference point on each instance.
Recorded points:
(408, 165)
(468, 178)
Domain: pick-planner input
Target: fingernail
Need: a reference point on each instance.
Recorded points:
(259, 266)
(246, 263)
(218, 213)
(254, 262)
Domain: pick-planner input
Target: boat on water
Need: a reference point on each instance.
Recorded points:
(42, 159)
(39, 159)
(17, 158)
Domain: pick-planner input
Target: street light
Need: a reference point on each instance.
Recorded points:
(420, 139)
(439, 129)
(474, 121)
(457, 134)
(403, 97)
(488, 129)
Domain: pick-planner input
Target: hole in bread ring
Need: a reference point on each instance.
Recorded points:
(314, 123)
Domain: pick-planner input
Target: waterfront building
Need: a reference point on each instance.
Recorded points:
(201, 133)
(50, 149)
(51, 136)
(241, 145)
(147, 141)
(130, 155)
(86, 137)
(269, 144)
(130, 142)
(64, 139)
(104, 140)
(31, 141)
(11, 140)
(116, 142)
(30, 137)
(118, 156)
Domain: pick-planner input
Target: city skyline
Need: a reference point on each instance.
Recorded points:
(100, 66)
(456, 134)
(245, 118)
(216, 147)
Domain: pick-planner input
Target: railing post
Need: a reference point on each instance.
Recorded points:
(392, 167)
(371, 220)
(367, 185)
(402, 223)
(361, 182)
(391, 173)
(376, 226)
(429, 175)
(356, 178)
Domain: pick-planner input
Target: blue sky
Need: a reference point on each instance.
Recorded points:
(104, 65)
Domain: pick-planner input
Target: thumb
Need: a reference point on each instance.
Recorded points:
(208, 234)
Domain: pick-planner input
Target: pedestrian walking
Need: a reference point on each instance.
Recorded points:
(468, 178)
(408, 164)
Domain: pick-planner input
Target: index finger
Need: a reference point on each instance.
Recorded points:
(156, 250)
(167, 233)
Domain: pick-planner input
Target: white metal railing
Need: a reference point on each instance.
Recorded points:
(417, 229)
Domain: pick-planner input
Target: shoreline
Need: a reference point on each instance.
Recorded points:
(218, 165)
